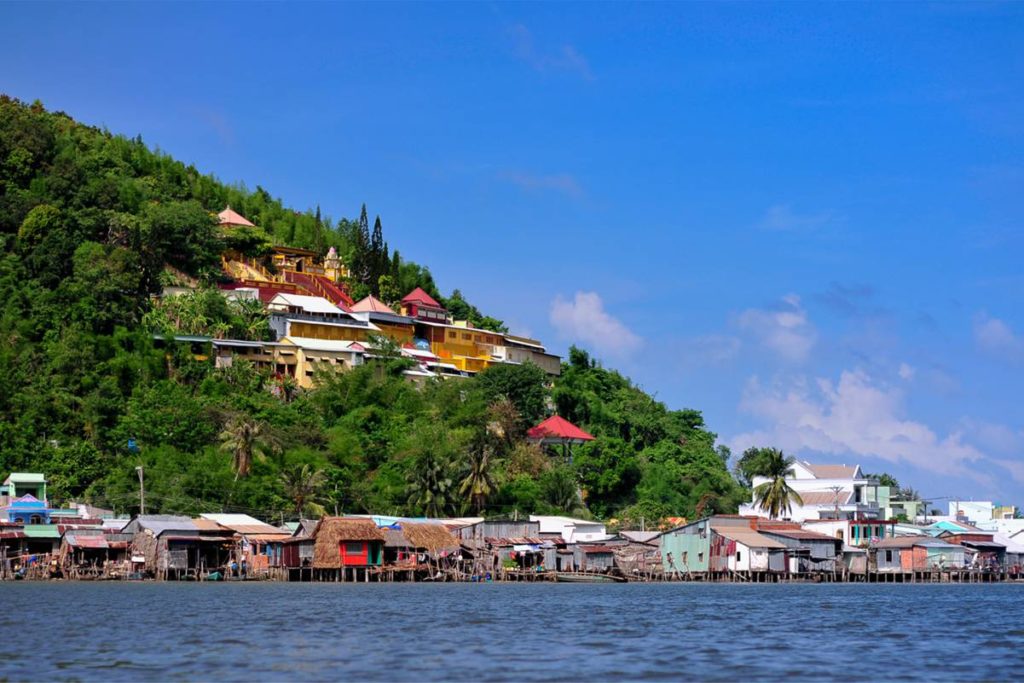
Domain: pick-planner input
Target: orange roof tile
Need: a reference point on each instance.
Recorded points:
(371, 304)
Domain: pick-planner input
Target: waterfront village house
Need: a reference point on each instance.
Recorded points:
(297, 551)
(981, 544)
(92, 553)
(408, 544)
(347, 543)
(828, 492)
(174, 547)
(721, 544)
(260, 544)
(915, 553)
(23, 498)
(806, 551)
(570, 530)
(492, 542)
(593, 558)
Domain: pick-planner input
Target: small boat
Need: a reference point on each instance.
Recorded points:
(572, 577)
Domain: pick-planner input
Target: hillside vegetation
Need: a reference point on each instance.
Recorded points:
(90, 225)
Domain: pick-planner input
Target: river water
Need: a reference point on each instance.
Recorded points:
(514, 632)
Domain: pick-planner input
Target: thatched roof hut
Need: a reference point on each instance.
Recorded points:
(330, 532)
(433, 538)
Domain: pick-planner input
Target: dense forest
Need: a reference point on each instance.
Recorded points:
(93, 225)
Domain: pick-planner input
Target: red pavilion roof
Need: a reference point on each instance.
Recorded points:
(557, 429)
(420, 297)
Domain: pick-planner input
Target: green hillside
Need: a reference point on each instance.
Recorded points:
(90, 223)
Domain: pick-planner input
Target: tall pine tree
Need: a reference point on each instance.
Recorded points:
(318, 233)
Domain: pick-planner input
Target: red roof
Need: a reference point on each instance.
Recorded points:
(418, 296)
(231, 217)
(557, 428)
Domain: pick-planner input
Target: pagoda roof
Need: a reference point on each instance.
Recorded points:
(557, 429)
(419, 296)
(371, 304)
(231, 217)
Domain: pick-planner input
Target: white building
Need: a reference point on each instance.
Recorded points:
(571, 530)
(828, 492)
(973, 511)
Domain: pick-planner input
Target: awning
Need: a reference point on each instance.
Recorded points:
(97, 542)
(984, 545)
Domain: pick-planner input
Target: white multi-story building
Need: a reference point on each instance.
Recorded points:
(828, 492)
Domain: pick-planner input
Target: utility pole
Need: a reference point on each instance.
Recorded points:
(142, 491)
(836, 490)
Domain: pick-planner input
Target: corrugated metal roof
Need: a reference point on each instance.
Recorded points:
(799, 534)
(243, 524)
(41, 531)
(595, 549)
(309, 304)
(746, 536)
(78, 541)
(160, 524)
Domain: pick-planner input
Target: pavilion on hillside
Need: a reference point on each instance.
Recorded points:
(557, 431)
(231, 218)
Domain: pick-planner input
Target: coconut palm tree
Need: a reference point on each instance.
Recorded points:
(301, 484)
(431, 487)
(478, 482)
(776, 496)
(245, 438)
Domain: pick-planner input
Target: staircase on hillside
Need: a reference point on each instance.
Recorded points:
(316, 286)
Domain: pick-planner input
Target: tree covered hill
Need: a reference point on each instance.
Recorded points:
(90, 222)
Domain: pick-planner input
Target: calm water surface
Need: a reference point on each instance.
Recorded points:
(516, 632)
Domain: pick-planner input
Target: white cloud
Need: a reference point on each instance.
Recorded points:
(906, 371)
(785, 329)
(584, 319)
(566, 58)
(857, 416)
(713, 348)
(996, 337)
(564, 183)
(782, 218)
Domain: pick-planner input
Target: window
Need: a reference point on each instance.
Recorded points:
(888, 556)
(466, 336)
(739, 556)
(685, 556)
(353, 548)
(700, 557)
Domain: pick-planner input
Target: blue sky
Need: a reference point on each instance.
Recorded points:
(804, 220)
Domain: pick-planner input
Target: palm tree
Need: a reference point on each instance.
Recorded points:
(246, 438)
(430, 483)
(776, 496)
(478, 483)
(301, 484)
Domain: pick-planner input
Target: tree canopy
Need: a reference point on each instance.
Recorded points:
(94, 225)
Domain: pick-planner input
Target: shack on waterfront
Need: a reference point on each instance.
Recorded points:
(174, 547)
(806, 551)
(722, 544)
(345, 545)
(261, 546)
(903, 554)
